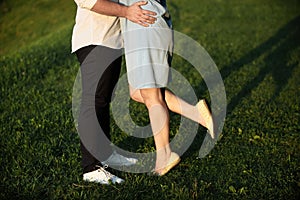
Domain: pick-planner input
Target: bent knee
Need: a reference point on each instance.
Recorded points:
(136, 97)
(152, 97)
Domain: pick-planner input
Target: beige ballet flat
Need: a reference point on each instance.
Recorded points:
(206, 114)
(173, 161)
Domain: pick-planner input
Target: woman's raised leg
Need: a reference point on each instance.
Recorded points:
(198, 113)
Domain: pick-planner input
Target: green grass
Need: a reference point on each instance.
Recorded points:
(256, 46)
(23, 23)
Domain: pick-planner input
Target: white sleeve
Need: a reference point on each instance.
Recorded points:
(87, 4)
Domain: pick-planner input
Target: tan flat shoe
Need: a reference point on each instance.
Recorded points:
(173, 161)
(206, 114)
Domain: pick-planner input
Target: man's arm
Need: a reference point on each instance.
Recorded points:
(133, 13)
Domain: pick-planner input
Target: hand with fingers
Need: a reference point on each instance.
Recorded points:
(137, 15)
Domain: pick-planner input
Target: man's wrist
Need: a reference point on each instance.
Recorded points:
(124, 11)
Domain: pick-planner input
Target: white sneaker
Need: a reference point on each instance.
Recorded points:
(101, 176)
(118, 160)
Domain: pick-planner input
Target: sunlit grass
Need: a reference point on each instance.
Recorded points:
(256, 46)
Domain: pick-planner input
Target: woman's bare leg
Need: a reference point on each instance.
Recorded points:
(176, 105)
(159, 119)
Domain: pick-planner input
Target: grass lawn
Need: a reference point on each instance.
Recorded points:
(254, 43)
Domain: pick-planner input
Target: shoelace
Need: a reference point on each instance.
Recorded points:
(107, 174)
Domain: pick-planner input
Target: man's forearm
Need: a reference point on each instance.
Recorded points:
(133, 12)
(106, 7)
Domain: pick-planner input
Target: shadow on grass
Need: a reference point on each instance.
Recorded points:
(7, 192)
(277, 49)
(276, 62)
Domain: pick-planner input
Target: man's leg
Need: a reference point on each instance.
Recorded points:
(100, 68)
(104, 94)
